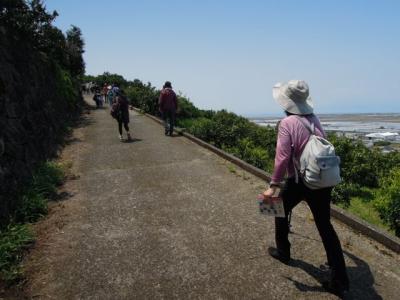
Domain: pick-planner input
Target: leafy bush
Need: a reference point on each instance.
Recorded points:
(203, 129)
(185, 123)
(33, 201)
(143, 96)
(186, 109)
(258, 157)
(32, 207)
(358, 163)
(388, 200)
(106, 77)
(264, 137)
(254, 155)
(31, 25)
(229, 128)
(342, 193)
(46, 179)
(382, 143)
(13, 240)
(46, 68)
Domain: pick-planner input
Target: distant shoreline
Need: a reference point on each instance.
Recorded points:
(363, 117)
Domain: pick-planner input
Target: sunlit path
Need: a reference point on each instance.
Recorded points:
(164, 218)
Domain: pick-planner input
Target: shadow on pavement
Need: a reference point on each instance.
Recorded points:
(361, 278)
(133, 140)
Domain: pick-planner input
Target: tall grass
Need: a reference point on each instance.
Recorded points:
(32, 205)
(14, 239)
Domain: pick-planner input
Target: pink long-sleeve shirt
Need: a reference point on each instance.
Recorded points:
(292, 137)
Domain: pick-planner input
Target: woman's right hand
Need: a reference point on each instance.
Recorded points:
(269, 192)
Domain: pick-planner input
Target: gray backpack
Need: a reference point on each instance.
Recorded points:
(318, 165)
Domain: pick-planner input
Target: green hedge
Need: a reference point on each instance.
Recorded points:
(388, 200)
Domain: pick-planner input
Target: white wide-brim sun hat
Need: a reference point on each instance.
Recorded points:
(294, 97)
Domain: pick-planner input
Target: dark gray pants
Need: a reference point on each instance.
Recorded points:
(169, 121)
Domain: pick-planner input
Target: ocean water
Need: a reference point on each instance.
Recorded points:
(354, 123)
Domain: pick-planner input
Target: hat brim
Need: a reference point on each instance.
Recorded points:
(303, 108)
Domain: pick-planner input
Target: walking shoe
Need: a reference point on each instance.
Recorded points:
(121, 138)
(129, 137)
(275, 253)
(325, 267)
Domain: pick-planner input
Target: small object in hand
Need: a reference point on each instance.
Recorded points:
(271, 206)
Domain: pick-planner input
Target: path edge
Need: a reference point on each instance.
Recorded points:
(357, 224)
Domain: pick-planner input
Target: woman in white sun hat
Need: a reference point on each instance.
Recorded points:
(295, 100)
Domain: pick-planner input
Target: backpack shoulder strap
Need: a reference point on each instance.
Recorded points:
(309, 125)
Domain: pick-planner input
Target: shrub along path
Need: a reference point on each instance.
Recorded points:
(164, 218)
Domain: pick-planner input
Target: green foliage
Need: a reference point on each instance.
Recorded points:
(47, 178)
(258, 157)
(203, 129)
(186, 109)
(14, 239)
(74, 47)
(33, 201)
(358, 163)
(264, 137)
(32, 207)
(66, 88)
(363, 168)
(30, 26)
(366, 211)
(382, 143)
(342, 193)
(254, 155)
(388, 200)
(386, 162)
(229, 129)
(107, 78)
(46, 67)
(143, 96)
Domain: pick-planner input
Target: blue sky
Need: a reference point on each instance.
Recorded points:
(229, 54)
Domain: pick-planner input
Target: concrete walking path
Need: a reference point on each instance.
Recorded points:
(162, 218)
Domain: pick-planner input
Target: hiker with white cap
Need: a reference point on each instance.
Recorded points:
(294, 132)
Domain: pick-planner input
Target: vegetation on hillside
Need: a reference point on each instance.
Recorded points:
(32, 205)
(40, 79)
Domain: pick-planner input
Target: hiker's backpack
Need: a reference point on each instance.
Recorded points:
(115, 111)
(318, 165)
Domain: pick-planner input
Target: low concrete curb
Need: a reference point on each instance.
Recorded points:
(352, 221)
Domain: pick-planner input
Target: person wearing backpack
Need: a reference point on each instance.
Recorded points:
(168, 104)
(312, 170)
(98, 99)
(120, 112)
(110, 96)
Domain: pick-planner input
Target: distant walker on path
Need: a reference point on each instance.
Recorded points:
(120, 111)
(168, 104)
